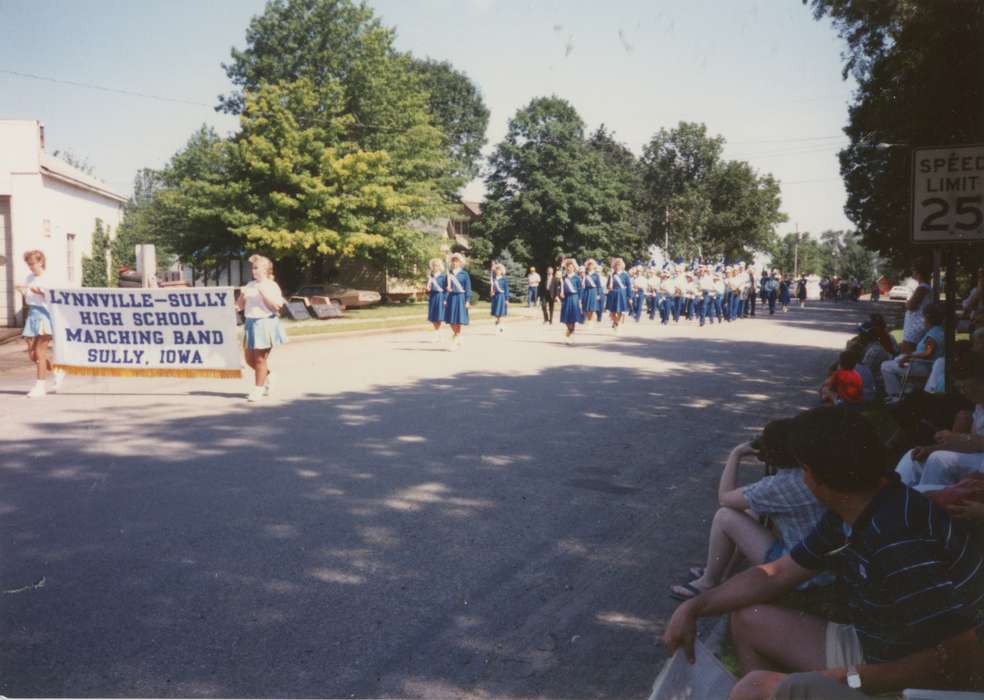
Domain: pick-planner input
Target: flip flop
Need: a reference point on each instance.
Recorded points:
(692, 590)
(696, 571)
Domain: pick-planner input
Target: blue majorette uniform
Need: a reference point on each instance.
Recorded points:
(500, 295)
(437, 294)
(459, 293)
(592, 293)
(570, 311)
(784, 292)
(602, 298)
(619, 285)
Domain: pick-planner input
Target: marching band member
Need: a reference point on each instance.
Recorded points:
(638, 292)
(693, 297)
(679, 292)
(260, 301)
(784, 299)
(719, 288)
(602, 296)
(737, 284)
(570, 291)
(652, 292)
(592, 290)
(500, 295)
(459, 298)
(437, 294)
(38, 327)
(619, 285)
(665, 298)
(707, 295)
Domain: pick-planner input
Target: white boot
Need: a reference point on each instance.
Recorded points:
(59, 377)
(38, 391)
(268, 385)
(255, 394)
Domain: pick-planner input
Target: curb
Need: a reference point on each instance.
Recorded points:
(384, 331)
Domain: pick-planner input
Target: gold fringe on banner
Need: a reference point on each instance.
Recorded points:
(137, 372)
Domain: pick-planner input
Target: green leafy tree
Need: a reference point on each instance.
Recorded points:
(920, 73)
(458, 108)
(798, 251)
(94, 265)
(552, 192)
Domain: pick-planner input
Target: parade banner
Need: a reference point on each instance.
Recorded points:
(164, 332)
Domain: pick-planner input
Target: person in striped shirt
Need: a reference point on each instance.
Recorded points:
(914, 580)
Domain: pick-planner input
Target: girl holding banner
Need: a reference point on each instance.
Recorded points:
(260, 302)
(459, 297)
(436, 295)
(38, 328)
(500, 295)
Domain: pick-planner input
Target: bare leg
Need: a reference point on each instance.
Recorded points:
(41, 355)
(250, 359)
(437, 325)
(260, 367)
(757, 685)
(769, 638)
(732, 531)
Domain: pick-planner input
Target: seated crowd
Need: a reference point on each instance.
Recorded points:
(897, 542)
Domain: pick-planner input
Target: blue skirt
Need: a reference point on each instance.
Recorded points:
(617, 301)
(455, 312)
(435, 307)
(263, 333)
(499, 307)
(38, 322)
(784, 296)
(570, 312)
(591, 298)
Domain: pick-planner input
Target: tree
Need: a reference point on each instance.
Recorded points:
(697, 204)
(386, 92)
(94, 265)
(552, 192)
(920, 74)
(457, 106)
(797, 251)
(77, 162)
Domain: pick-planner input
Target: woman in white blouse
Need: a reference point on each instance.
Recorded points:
(260, 301)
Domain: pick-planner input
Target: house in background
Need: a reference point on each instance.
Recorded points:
(48, 205)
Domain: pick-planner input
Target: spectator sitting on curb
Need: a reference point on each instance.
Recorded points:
(913, 581)
(845, 385)
(925, 353)
(735, 531)
(957, 453)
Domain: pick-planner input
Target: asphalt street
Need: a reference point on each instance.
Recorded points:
(397, 520)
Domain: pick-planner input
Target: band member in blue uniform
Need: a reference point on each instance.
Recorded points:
(437, 294)
(459, 298)
(602, 296)
(679, 292)
(619, 286)
(500, 295)
(664, 297)
(570, 292)
(771, 287)
(592, 289)
(652, 292)
(707, 294)
(784, 296)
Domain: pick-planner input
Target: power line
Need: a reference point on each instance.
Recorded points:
(119, 91)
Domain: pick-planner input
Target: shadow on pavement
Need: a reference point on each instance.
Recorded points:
(485, 534)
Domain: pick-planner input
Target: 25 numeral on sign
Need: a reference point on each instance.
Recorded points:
(963, 207)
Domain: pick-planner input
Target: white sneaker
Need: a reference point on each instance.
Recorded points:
(37, 392)
(268, 385)
(59, 377)
(500, 329)
(255, 394)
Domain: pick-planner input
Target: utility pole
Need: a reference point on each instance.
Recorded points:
(796, 253)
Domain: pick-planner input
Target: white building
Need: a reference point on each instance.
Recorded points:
(48, 205)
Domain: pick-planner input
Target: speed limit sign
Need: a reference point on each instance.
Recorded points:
(948, 194)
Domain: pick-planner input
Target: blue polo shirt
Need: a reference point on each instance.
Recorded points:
(914, 576)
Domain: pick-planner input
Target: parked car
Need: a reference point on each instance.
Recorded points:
(346, 296)
(899, 291)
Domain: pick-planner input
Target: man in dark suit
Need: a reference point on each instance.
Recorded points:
(549, 291)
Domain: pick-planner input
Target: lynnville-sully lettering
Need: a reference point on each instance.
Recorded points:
(197, 299)
(106, 300)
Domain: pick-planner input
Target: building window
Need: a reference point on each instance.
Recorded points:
(70, 256)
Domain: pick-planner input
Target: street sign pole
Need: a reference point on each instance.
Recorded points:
(947, 210)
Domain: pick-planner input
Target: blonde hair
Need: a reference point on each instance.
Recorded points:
(262, 262)
(436, 261)
(569, 261)
(36, 255)
(589, 263)
(499, 269)
(618, 261)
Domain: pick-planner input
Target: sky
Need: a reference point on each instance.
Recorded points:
(761, 73)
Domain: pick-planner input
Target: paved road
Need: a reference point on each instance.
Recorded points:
(399, 521)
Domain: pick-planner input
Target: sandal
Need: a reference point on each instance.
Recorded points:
(692, 591)
(696, 571)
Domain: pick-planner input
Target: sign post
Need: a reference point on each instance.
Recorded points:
(948, 209)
